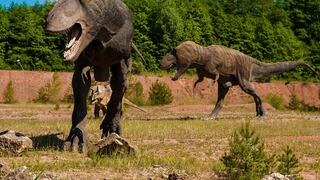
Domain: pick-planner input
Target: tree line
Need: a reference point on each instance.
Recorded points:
(269, 30)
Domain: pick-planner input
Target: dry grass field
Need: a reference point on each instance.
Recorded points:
(169, 139)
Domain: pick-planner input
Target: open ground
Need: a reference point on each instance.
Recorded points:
(168, 138)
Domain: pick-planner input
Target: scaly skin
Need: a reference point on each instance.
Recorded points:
(100, 37)
(230, 67)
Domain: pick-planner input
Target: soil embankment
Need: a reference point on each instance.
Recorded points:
(27, 83)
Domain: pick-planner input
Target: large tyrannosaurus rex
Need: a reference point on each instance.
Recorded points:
(100, 35)
(230, 66)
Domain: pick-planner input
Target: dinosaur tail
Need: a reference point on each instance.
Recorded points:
(129, 103)
(137, 50)
(265, 69)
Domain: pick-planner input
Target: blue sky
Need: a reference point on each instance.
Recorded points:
(6, 3)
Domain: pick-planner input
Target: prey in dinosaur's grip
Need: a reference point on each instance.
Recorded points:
(99, 96)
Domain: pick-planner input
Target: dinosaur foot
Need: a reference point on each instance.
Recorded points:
(75, 142)
(261, 117)
(111, 128)
(209, 118)
(261, 113)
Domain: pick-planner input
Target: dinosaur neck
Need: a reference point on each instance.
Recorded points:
(261, 69)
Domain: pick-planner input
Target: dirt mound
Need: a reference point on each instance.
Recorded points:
(27, 83)
(206, 91)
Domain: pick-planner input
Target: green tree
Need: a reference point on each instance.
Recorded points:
(168, 27)
(8, 95)
(160, 94)
(4, 26)
(246, 158)
(50, 92)
(288, 163)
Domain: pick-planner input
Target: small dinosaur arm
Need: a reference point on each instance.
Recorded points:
(230, 67)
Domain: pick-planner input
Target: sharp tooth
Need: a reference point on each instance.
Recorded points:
(70, 44)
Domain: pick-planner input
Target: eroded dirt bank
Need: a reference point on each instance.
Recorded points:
(27, 83)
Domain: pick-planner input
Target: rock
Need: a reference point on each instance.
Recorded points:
(21, 173)
(277, 176)
(114, 144)
(14, 142)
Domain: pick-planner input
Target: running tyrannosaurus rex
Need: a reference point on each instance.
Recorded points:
(100, 36)
(230, 67)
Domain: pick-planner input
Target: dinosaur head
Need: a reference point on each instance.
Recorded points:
(168, 60)
(84, 20)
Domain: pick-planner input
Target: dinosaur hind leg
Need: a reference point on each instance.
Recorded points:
(114, 113)
(247, 88)
(222, 91)
(76, 141)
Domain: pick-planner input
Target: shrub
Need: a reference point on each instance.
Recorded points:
(288, 163)
(160, 94)
(56, 106)
(68, 96)
(275, 101)
(137, 67)
(50, 92)
(247, 158)
(135, 94)
(8, 95)
(294, 103)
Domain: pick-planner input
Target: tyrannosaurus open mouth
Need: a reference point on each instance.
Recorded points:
(73, 45)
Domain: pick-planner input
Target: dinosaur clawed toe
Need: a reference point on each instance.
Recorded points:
(76, 142)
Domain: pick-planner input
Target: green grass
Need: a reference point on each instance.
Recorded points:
(190, 146)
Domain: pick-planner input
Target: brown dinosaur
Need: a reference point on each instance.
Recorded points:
(230, 66)
(99, 96)
(100, 36)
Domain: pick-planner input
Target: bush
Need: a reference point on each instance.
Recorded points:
(275, 101)
(247, 158)
(135, 94)
(56, 106)
(50, 92)
(137, 67)
(8, 95)
(160, 94)
(68, 95)
(295, 104)
(288, 163)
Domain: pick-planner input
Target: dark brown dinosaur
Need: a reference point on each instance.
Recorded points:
(100, 36)
(230, 66)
